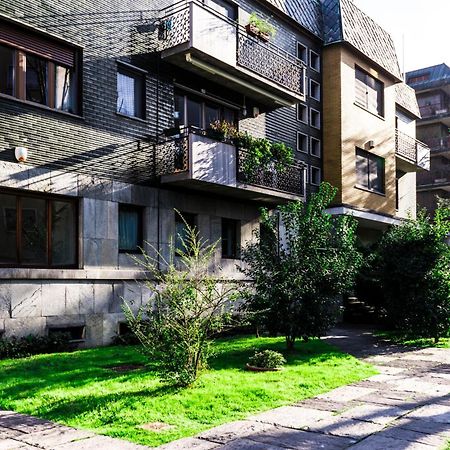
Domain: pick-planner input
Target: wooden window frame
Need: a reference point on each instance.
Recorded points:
(19, 195)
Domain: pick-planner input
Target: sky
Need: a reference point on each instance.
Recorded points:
(423, 26)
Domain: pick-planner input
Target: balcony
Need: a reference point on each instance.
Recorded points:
(435, 179)
(411, 151)
(439, 144)
(196, 161)
(199, 39)
(436, 112)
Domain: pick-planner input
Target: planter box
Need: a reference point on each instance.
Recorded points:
(262, 369)
(252, 30)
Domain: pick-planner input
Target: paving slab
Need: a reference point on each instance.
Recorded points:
(229, 431)
(387, 443)
(48, 439)
(422, 426)
(346, 427)
(432, 413)
(189, 444)
(100, 442)
(381, 414)
(346, 393)
(414, 436)
(248, 444)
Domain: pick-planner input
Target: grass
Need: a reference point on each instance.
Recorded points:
(78, 389)
(414, 342)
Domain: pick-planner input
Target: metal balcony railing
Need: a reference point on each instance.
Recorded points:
(439, 177)
(434, 110)
(438, 143)
(264, 59)
(172, 157)
(412, 149)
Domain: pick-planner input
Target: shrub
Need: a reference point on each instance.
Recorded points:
(412, 265)
(189, 306)
(14, 347)
(267, 359)
(299, 273)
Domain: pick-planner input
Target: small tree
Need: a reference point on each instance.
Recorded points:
(413, 268)
(189, 305)
(299, 274)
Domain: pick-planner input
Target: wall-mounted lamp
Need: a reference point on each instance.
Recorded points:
(370, 144)
(21, 154)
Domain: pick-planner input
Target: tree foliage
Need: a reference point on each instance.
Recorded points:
(412, 265)
(299, 274)
(189, 306)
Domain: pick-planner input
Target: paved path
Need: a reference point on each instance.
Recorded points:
(406, 406)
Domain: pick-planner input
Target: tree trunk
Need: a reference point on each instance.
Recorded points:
(290, 342)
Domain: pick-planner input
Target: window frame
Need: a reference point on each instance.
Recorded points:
(319, 171)
(305, 139)
(19, 195)
(305, 108)
(135, 73)
(311, 122)
(370, 158)
(236, 224)
(140, 231)
(318, 87)
(365, 105)
(305, 49)
(316, 55)
(319, 142)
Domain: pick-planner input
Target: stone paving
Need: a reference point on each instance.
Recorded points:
(405, 406)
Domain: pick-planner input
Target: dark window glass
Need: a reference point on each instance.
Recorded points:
(8, 229)
(194, 113)
(65, 99)
(212, 113)
(130, 228)
(179, 107)
(369, 171)
(181, 230)
(130, 93)
(230, 238)
(315, 176)
(34, 231)
(229, 115)
(7, 57)
(224, 8)
(36, 79)
(63, 233)
(369, 92)
(302, 52)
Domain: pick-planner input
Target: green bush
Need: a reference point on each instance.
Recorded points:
(412, 265)
(267, 359)
(14, 347)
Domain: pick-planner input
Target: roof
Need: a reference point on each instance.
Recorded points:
(308, 13)
(344, 22)
(429, 77)
(405, 96)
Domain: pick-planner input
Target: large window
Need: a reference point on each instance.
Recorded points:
(38, 69)
(130, 228)
(230, 238)
(369, 171)
(195, 111)
(182, 221)
(369, 92)
(37, 231)
(130, 92)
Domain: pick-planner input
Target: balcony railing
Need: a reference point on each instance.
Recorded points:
(434, 110)
(199, 27)
(438, 143)
(195, 153)
(437, 177)
(412, 150)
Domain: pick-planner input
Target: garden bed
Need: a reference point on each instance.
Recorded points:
(80, 389)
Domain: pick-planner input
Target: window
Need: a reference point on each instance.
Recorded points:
(75, 333)
(314, 119)
(230, 238)
(302, 52)
(315, 147)
(196, 111)
(130, 229)
(37, 231)
(302, 112)
(314, 89)
(315, 176)
(38, 69)
(369, 92)
(182, 221)
(302, 142)
(369, 171)
(223, 7)
(314, 60)
(130, 92)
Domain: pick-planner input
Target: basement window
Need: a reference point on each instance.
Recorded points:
(76, 333)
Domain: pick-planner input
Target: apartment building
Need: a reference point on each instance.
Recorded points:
(432, 86)
(106, 129)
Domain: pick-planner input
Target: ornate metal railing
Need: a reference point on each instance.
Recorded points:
(262, 58)
(439, 143)
(172, 155)
(290, 179)
(409, 148)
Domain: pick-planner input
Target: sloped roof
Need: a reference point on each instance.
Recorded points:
(344, 22)
(405, 96)
(431, 77)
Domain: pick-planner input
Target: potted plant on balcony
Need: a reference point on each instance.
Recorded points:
(221, 130)
(259, 27)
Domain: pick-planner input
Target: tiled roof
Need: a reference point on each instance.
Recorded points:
(307, 13)
(405, 96)
(429, 77)
(344, 22)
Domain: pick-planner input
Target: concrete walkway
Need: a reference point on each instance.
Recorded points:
(406, 406)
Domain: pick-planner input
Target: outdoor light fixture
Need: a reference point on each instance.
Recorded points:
(21, 154)
(370, 144)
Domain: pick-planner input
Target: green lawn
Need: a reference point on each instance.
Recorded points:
(79, 389)
(399, 339)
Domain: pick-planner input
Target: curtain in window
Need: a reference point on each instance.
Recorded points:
(126, 94)
(63, 85)
(128, 230)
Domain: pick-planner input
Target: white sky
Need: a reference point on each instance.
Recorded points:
(424, 24)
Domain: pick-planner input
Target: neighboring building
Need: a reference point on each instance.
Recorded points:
(113, 101)
(432, 86)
